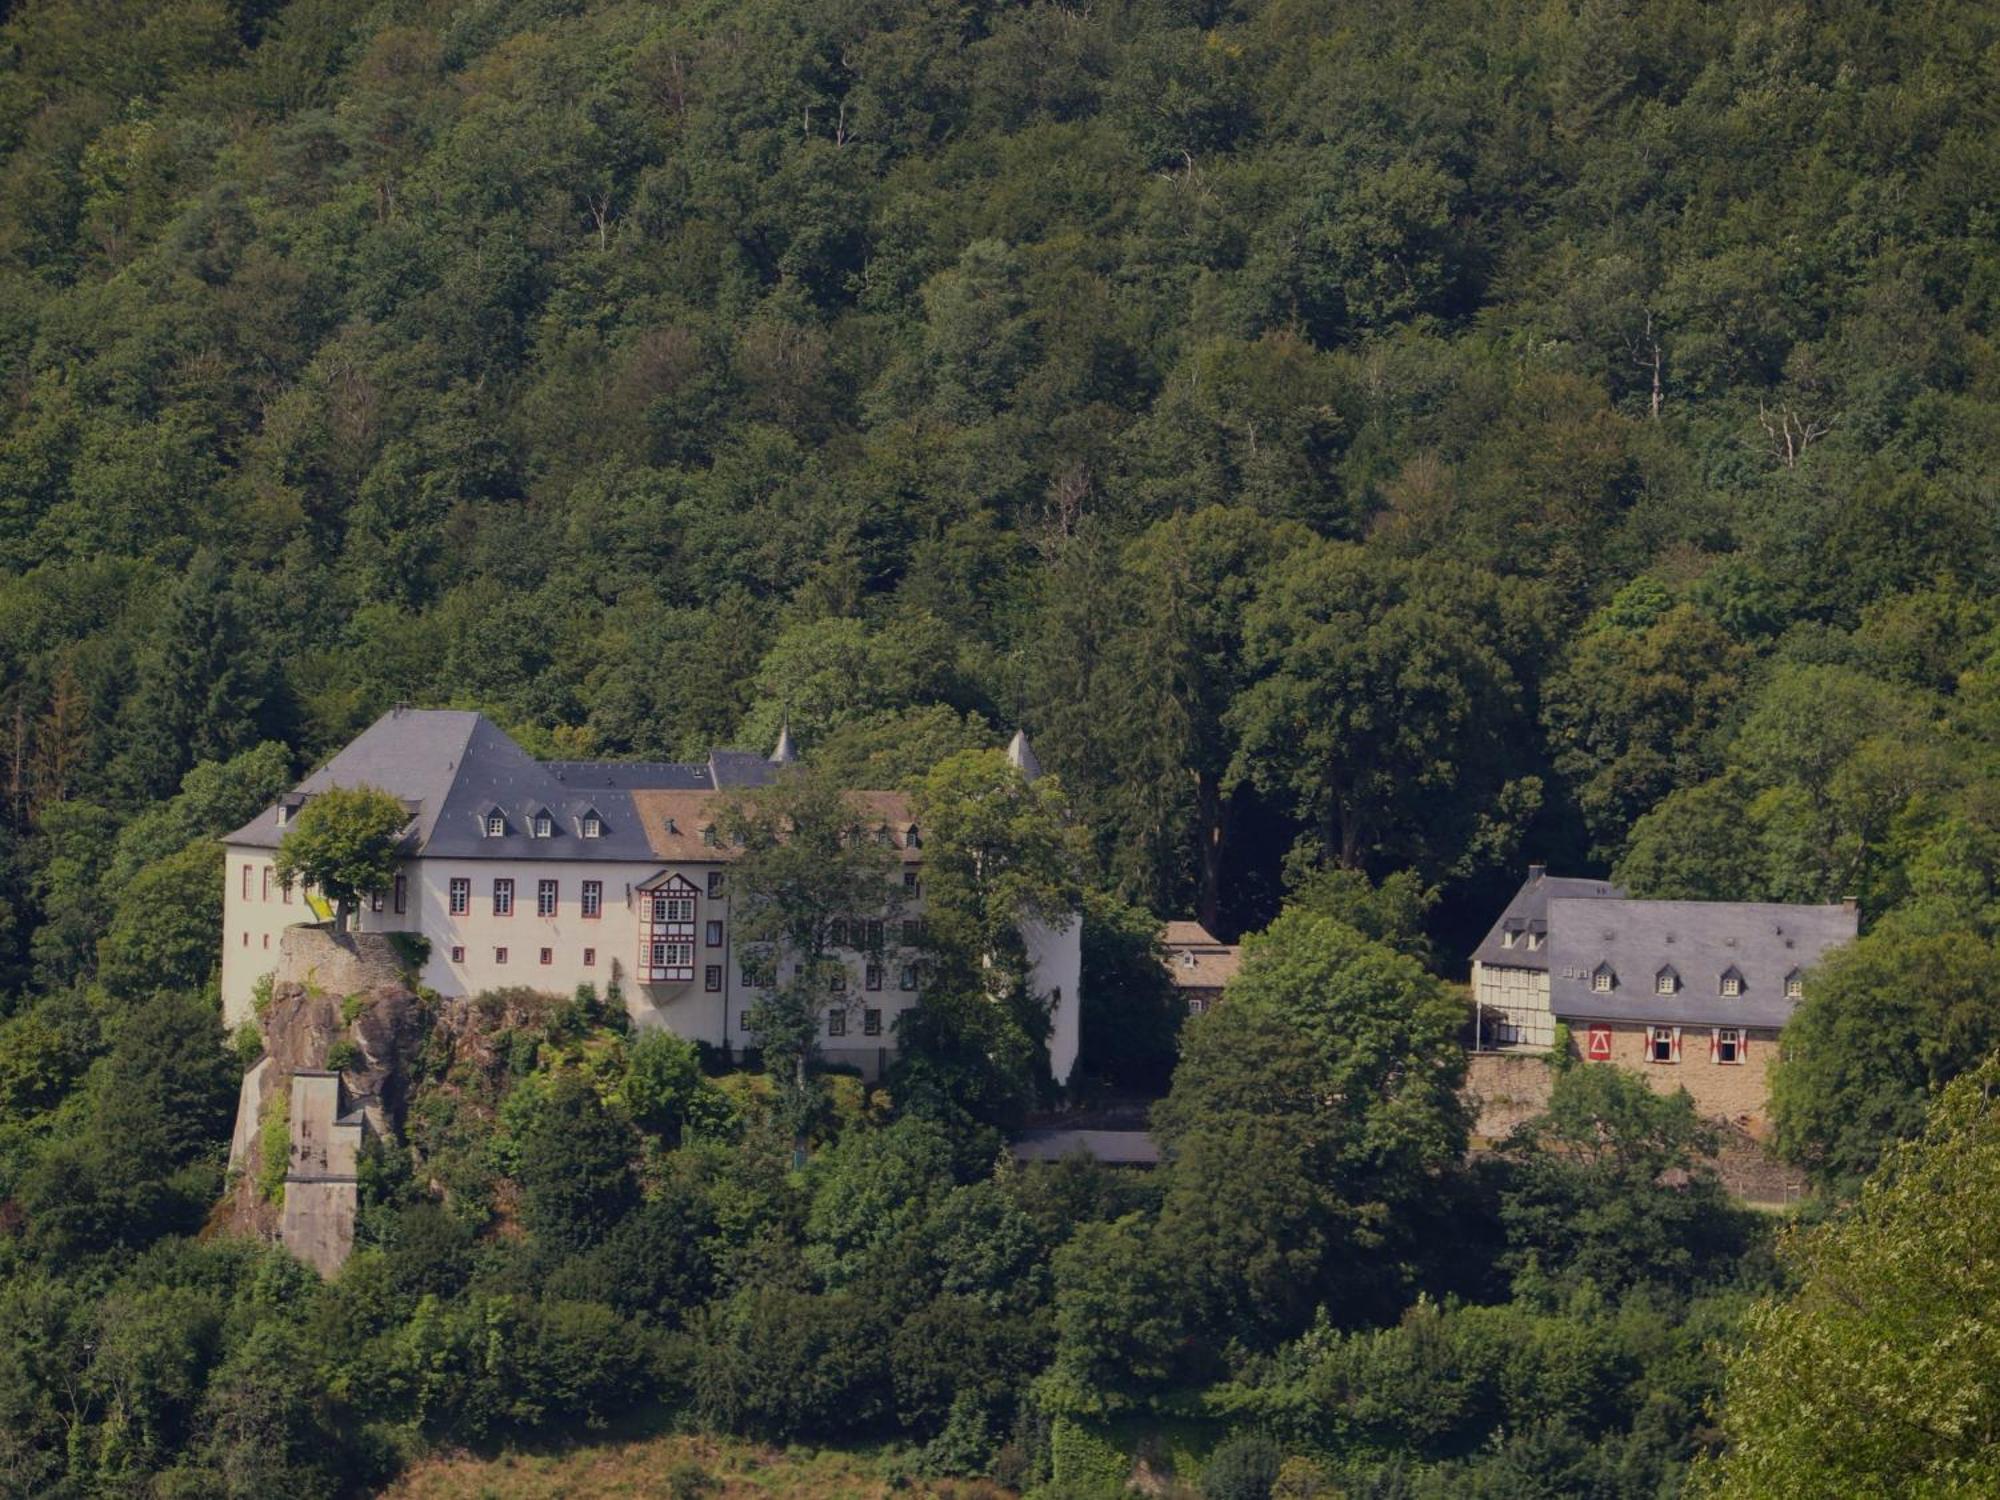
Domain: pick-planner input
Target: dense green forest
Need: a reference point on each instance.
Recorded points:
(1367, 446)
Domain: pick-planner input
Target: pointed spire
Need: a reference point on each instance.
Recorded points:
(1021, 755)
(787, 752)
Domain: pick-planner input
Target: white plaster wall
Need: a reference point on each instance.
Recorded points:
(250, 928)
(251, 934)
(1055, 966)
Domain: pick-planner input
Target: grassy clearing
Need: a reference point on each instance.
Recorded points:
(669, 1466)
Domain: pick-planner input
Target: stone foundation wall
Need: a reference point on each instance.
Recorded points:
(332, 963)
(1504, 1089)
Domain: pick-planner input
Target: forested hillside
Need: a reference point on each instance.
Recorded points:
(1366, 445)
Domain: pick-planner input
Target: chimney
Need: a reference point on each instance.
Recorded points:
(1851, 903)
(1536, 872)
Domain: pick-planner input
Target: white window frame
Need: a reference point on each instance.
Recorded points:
(1670, 1037)
(545, 826)
(460, 896)
(548, 897)
(593, 826)
(496, 825)
(1732, 1036)
(592, 900)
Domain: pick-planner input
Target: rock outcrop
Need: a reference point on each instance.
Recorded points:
(340, 1034)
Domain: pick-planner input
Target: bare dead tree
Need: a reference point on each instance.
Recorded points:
(1788, 432)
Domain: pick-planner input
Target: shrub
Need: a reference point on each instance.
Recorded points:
(343, 1056)
(1243, 1467)
(274, 1140)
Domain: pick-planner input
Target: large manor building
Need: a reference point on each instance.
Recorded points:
(1692, 994)
(553, 874)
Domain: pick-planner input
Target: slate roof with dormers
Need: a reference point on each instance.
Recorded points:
(454, 768)
(1529, 912)
(1700, 941)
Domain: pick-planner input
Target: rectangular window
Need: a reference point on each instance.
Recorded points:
(875, 936)
(593, 899)
(673, 908)
(458, 955)
(267, 940)
(871, 1023)
(711, 978)
(714, 884)
(461, 897)
(264, 892)
(548, 955)
(375, 902)
(837, 980)
(907, 978)
(873, 977)
(836, 1022)
(1663, 1044)
(913, 932)
(246, 883)
(744, 975)
(499, 955)
(909, 880)
(246, 939)
(285, 893)
(402, 894)
(1726, 1046)
(590, 958)
(1601, 981)
(1732, 986)
(503, 898)
(1664, 985)
(545, 898)
(671, 954)
(715, 934)
(1535, 941)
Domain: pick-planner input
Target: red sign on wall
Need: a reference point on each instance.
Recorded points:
(1598, 1048)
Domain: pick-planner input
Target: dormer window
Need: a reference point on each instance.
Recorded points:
(1603, 980)
(1507, 939)
(1732, 982)
(884, 837)
(496, 824)
(911, 838)
(708, 834)
(1666, 982)
(284, 815)
(593, 826)
(545, 826)
(1536, 940)
(1795, 986)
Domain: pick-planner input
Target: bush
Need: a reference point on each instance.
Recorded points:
(1244, 1467)
(343, 1056)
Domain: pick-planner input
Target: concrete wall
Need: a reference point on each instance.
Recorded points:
(322, 1193)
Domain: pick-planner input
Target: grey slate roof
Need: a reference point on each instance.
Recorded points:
(1699, 940)
(1529, 912)
(453, 768)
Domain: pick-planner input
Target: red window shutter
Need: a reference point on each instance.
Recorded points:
(1677, 1044)
(1715, 1044)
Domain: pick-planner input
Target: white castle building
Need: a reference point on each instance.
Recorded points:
(553, 874)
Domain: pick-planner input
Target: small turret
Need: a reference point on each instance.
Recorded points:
(787, 752)
(1021, 755)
